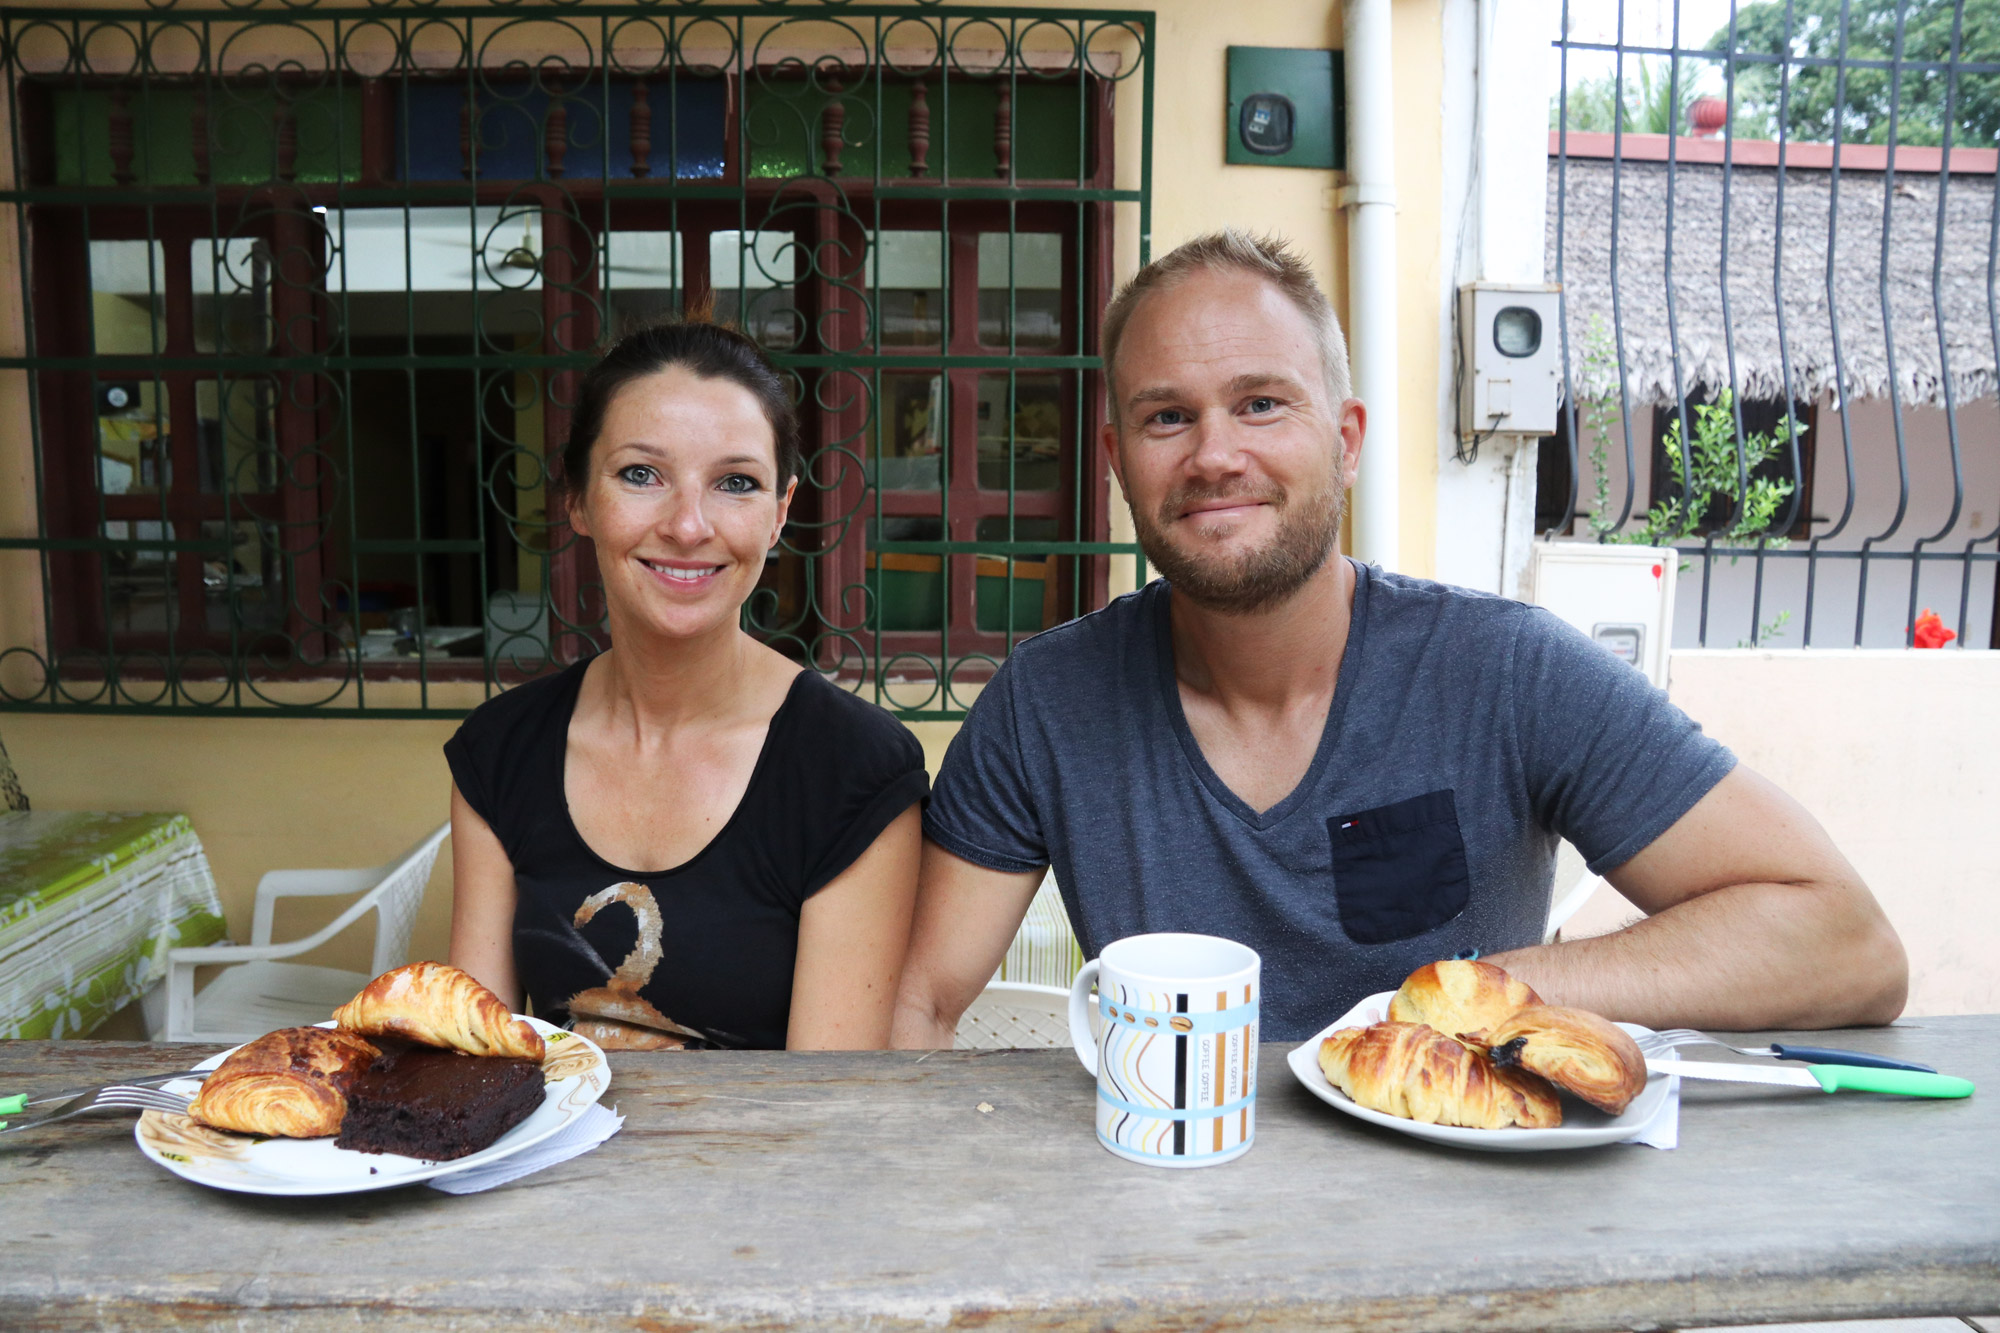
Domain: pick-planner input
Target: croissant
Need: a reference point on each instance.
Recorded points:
(291, 1083)
(439, 1005)
(1574, 1049)
(1412, 1071)
(1460, 998)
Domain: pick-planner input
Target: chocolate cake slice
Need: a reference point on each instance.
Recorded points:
(437, 1105)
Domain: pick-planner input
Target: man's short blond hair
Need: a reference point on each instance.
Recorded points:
(1269, 257)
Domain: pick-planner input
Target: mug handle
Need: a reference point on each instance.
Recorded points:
(1080, 1034)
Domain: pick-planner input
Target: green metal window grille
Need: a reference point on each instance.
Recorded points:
(307, 290)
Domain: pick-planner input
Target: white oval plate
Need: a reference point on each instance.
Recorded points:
(1583, 1126)
(574, 1067)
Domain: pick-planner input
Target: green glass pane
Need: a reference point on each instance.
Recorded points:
(785, 126)
(908, 589)
(1048, 134)
(1025, 578)
(242, 149)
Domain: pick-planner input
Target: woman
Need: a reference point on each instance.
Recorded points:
(686, 839)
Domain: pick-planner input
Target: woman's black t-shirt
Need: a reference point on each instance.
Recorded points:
(711, 943)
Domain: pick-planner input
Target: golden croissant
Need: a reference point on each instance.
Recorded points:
(439, 1005)
(291, 1083)
(1461, 998)
(1412, 1071)
(1574, 1049)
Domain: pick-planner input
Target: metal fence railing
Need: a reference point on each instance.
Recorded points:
(1776, 230)
(306, 289)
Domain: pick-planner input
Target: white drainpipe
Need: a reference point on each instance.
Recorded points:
(1370, 201)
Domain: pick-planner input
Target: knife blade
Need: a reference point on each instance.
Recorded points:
(1821, 1078)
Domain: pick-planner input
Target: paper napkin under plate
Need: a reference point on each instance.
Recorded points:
(1664, 1129)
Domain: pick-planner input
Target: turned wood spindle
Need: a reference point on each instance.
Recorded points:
(555, 131)
(377, 148)
(286, 124)
(920, 129)
(121, 136)
(465, 136)
(642, 129)
(198, 135)
(1003, 131)
(832, 121)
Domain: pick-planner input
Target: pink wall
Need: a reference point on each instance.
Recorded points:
(1897, 753)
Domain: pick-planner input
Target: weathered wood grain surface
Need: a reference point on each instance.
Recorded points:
(870, 1191)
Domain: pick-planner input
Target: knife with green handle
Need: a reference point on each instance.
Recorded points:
(1825, 1078)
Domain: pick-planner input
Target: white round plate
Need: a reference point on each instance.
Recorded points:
(1583, 1126)
(574, 1067)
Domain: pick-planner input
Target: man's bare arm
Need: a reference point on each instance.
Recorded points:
(1753, 920)
(966, 917)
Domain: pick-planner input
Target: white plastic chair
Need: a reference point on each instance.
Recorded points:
(1044, 951)
(1027, 1002)
(258, 993)
(1574, 885)
(1009, 1015)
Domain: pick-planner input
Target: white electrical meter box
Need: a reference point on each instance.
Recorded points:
(1622, 597)
(1510, 359)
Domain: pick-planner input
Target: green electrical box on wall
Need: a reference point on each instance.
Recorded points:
(1287, 108)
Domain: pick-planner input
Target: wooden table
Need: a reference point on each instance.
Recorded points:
(849, 1191)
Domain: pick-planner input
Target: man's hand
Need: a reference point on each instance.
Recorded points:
(966, 917)
(1753, 920)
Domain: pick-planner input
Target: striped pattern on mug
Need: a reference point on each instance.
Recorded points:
(1178, 1070)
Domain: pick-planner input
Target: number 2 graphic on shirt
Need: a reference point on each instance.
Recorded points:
(619, 998)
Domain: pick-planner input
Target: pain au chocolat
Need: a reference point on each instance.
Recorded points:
(438, 1005)
(424, 1061)
(1415, 1072)
(291, 1083)
(1577, 1051)
(1462, 998)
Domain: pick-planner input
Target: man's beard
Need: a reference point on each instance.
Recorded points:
(1308, 528)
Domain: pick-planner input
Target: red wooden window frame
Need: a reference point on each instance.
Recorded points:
(58, 242)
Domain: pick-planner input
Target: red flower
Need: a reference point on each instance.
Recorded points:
(1930, 631)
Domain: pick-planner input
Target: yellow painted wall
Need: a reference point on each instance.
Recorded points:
(1419, 46)
(271, 792)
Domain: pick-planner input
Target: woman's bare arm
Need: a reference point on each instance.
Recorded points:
(852, 936)
(482, 903)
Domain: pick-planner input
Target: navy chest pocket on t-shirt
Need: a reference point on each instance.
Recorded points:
(1399, 870)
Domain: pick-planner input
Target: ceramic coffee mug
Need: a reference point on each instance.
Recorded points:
(1176, 1056)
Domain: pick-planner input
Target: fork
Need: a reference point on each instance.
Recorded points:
(118, 1097)
(1654, 1043)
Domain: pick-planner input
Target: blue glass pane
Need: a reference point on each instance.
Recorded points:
(509, 126)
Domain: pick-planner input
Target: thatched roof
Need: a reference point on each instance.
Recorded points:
(1963, 288)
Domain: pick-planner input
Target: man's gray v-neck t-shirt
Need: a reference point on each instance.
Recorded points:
(1467, 734)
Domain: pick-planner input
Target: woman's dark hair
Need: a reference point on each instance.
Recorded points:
(708, 350)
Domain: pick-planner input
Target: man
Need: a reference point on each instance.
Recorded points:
(1351, 771)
